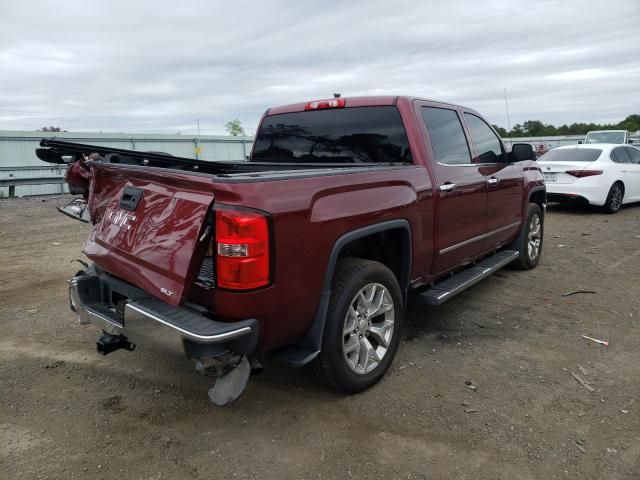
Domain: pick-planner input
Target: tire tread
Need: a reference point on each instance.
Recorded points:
(346, 270)
(522, 262)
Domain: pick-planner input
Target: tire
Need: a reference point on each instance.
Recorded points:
(348, 336)
(530, 242)
(614, 198)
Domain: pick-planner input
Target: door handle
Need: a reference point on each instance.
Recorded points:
(447, 187)
(493, 181)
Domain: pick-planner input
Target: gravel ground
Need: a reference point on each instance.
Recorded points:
(483, 387)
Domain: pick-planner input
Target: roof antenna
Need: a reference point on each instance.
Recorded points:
(336, 95)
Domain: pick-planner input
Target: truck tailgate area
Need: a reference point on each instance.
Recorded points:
(148, 228)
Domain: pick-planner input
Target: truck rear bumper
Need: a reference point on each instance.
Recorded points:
(119, 308)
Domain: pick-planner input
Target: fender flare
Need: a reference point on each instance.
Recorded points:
(309, 347)
(515, 245)
(536, 190)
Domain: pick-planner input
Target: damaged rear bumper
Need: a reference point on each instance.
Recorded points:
(120, 309)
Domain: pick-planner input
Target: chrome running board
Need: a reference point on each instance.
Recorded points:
(446, 289)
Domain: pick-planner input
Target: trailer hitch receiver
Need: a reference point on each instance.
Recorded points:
(110, 343)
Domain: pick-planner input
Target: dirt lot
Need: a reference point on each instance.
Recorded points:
(66, 412)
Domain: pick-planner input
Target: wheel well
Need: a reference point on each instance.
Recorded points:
(621, 183)
(539, 197)
(389, 247)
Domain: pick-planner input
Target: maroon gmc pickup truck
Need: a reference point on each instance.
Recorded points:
(308, 250)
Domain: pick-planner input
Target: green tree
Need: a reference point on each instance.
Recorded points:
(501, 131)
(535, 128)
(631, 123)
(517, 131)
(234, 127)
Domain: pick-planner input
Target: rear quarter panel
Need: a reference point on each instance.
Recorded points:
(309, 215)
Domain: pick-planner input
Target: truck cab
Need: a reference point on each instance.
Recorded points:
(607, 136)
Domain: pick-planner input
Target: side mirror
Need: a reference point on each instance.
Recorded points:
(522, 151)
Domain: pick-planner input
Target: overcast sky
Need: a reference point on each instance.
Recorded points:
(156, 66)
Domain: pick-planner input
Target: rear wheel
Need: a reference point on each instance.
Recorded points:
(530, 243)
(362, 332)
(614, 198)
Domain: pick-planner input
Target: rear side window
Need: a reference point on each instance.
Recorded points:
(345, 135)
(487, 144)
(634, 153)
(571, 155)
(447, 137)
(620, 155)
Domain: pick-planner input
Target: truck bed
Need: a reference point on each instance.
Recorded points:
(54, 151)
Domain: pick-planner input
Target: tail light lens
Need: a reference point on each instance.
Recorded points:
(584, 173)
(242, 249)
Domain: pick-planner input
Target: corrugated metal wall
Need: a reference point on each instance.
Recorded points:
(17, 149)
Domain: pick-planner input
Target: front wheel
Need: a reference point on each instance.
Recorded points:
(530, 243)
(362, 332)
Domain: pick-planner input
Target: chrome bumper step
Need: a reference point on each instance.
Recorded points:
(449, 288)
(148, 321)
(190, 325)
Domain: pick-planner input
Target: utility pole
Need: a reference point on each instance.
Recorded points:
(506, 105)
(198, 122)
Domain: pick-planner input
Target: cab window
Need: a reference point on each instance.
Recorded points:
(446, 136)
(487, 143)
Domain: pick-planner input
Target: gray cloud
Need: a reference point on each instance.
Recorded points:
(157, 66)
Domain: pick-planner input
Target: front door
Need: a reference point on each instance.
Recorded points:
(461, 199)
(505, 183)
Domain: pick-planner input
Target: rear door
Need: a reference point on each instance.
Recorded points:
(505, 182)
(461, 206)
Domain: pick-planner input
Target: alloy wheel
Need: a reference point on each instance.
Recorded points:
(534, 237)
(368, 328)
(616, 197)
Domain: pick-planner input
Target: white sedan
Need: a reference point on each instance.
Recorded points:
(600, 174)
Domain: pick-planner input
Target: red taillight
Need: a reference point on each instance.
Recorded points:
(323, 104)
(584, 173)
(242, 249)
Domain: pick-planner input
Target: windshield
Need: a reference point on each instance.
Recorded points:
(345, 135)
(571, 155)
(605, 137)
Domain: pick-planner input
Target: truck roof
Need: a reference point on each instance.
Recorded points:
(363, 101)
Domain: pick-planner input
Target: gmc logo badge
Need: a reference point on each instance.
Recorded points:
(121, 219)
